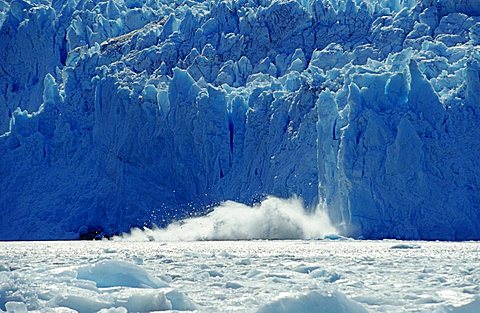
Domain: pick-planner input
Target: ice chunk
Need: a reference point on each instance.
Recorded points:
(114, 310)
(180, 301)
(306, 269)
(336, 237)
(82, 303)
(16, 307)
(312, 302)
(125, 299)
(329, 277)
(111, 273)
(405, 246)
(472, 307)
(232, 285)
(144, 301)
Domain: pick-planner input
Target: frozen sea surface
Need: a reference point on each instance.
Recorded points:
(240, 276)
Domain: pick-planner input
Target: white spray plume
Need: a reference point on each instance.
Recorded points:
(273, 218)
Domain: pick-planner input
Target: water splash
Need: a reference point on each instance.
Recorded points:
(273, 218)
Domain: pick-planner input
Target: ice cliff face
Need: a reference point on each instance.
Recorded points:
(120, 113)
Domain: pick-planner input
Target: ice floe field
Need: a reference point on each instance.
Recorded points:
(240, 276)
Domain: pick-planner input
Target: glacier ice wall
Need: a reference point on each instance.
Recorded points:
(120, 113)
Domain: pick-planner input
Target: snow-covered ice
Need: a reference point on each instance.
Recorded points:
(240, 276)
(118, 114)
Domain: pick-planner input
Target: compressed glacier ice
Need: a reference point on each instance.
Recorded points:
(120, 114)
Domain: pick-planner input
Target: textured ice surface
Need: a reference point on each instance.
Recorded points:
(123, 113)
(243, 277)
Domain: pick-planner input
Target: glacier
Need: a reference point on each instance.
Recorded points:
(123, 113)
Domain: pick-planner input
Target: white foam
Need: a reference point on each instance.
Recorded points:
(273, 218)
